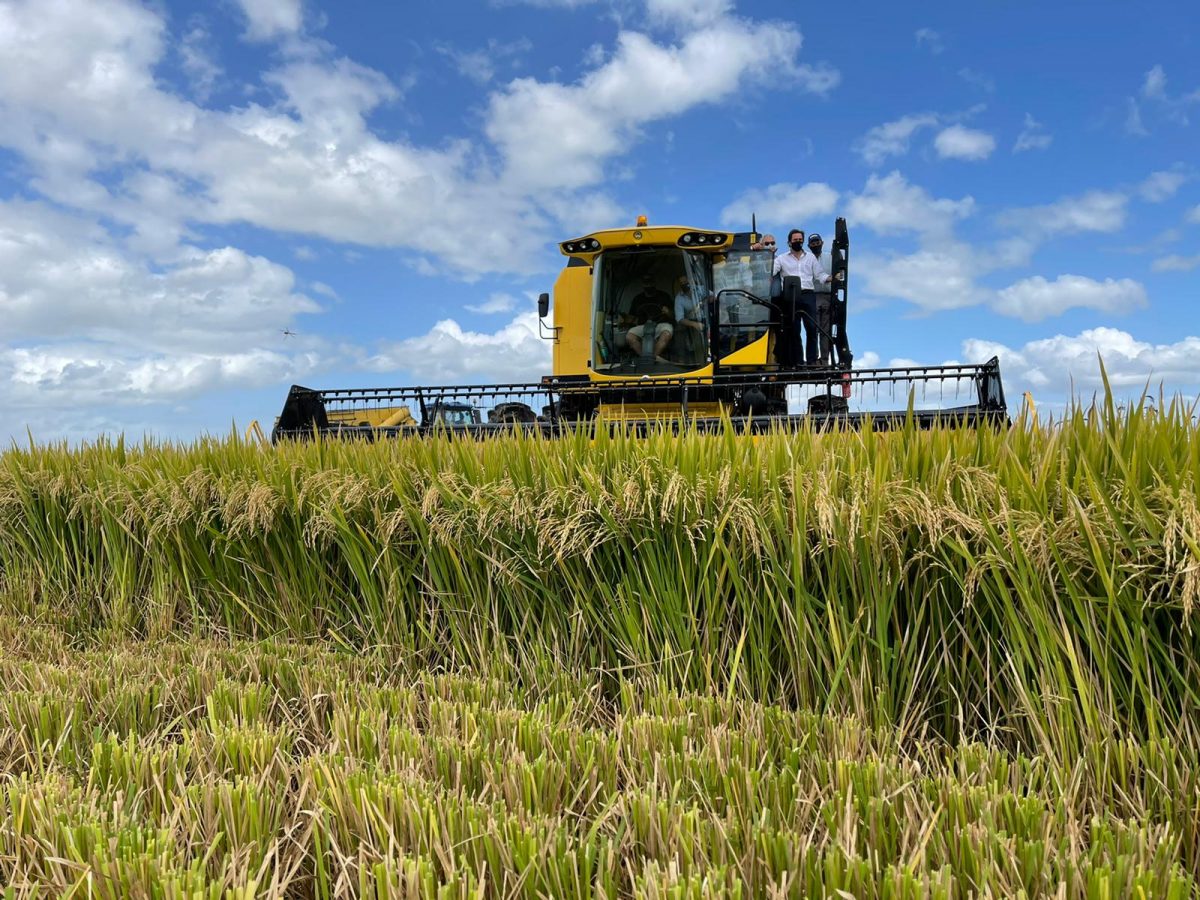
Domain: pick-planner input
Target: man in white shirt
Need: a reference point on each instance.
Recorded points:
(815, 277)
(799, 304)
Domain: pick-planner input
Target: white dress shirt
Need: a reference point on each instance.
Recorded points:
(789, 264)
(814, 273)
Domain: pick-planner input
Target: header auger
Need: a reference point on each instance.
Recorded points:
(664, 325)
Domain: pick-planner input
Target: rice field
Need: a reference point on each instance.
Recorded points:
(947, 663)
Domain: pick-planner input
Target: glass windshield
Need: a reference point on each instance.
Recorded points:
(651, 311)
(456, 415)
(740, 320)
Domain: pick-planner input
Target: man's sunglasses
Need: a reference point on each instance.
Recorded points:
(768, 243)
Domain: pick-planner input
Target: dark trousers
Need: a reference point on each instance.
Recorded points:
(788, 351)
(806, 319)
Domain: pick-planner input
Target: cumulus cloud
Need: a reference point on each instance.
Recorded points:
(1034, 299)
(942, 274)
(1032, 136)
(1156, 100)
(1154, 84)
(960, 142)
(892, 138)
(1133, 119)
(932, 279)
(481, 65)
(930, 40)
(495, 303)
(785, 203)
(582, 126)
(451, 354)
(889, 204)
(1175, 263)
(985, 83)
(197, 61)
(1102, 211)
(1050, 366)
(61, 278)
(91, 325)
(309, 163)
(687, 13)
(79, 376)
(270, 19)
(545, 4)
(1160, 186)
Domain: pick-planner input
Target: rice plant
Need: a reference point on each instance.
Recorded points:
(945, 663)
(472, 786)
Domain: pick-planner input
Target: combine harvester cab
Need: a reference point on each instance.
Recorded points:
(663, 326)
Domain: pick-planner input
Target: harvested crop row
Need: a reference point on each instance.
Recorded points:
(196, 768)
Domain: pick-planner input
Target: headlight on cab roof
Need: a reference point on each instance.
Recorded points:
(702, 239)
(582, 245)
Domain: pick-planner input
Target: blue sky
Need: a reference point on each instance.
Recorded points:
(180, 183)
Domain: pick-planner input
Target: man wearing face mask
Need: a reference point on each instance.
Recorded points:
(800, 306)
(815, 278)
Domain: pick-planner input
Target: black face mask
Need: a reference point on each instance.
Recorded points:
(797, 245)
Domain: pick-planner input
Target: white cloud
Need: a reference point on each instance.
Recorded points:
(1176, 263)
(960, 142)
(1032, 136)
(889, 204)
(1156, 99)
(929, 39)
(1193, 215)
(892, 138)
(310, 164)
(1102, 211)
(63, 278)
(495, 303)
(332, 96)
(687, 14)
(582, 126)
(91, 324)
(545, 4)
(1034, 299)
(269, 19)
(449, 354)
(1050, 366)
(197, 62)
(783, 203)
(1154, 85)
(1160, 186)
(932, 279)
(985, 83)
(481, 65)
(81, 376)
(1133, 119)
(819, 79)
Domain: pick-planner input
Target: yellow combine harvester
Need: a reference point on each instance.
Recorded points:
(663, 325)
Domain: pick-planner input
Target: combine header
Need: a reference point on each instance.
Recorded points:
(666, 325)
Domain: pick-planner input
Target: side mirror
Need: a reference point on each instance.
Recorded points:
(543, 305)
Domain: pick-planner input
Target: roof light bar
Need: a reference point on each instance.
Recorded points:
(691, 238)
(582, 245)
